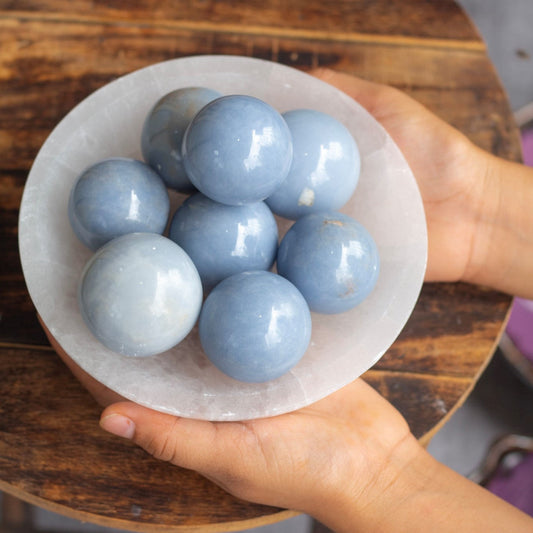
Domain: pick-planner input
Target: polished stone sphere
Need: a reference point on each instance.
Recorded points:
(163, 131)
(114, 197)
(255, 326)
(223, 240)
(237, 150)
(140, 294)
(325, 166)
(332, 259)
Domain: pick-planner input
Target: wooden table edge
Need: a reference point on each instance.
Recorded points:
(144, 527)
(426, 438)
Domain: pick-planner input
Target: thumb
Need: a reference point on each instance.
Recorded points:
(181, 441)
(217, 450)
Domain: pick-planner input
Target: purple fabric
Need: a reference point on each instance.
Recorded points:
(527, 147)
(516, 486)
(520, 326)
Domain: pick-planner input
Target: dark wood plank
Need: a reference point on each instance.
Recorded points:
(95, 467)
(425, 401)
(436, 342)
(436, 20)
(18, 324)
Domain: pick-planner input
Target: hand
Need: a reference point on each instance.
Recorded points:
(450, 171)
(347, 448)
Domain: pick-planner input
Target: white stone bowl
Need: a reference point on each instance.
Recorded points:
(181, 381)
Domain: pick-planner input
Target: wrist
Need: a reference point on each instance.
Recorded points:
(501, 254)
(392, 479)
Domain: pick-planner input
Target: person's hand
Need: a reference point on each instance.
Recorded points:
(349, 447)
(451, 172)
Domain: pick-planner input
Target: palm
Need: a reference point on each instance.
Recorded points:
(267, 460)
(348, 429)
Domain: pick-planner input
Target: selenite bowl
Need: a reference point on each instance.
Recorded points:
(182, 381)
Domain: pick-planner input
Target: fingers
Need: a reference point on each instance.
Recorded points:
(360, 90)
(345, 82)
(387, 104)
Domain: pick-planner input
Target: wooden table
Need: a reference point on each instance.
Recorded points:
(53, 54)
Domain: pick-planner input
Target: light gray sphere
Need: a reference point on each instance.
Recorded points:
(140, 294)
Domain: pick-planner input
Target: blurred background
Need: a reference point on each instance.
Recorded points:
(500, 403)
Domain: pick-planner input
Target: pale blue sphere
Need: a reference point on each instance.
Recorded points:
(237, 150)
(163, 131)
(223, 240)
(255, 326)
(114, 197)
(325, 166)
(140, 294)
(332, 259)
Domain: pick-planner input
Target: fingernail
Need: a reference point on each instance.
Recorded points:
(118, 425)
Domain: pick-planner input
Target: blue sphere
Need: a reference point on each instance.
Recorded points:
(325, 166)
(237, 150)
(332, 259)
(114, 197)
(255, 326)
(163, 132)
(140, 294)
(224, 239)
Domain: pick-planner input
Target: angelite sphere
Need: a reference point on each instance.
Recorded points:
(332, 259)
(114, 197)
(225, 239)
(163, 131)
(255, 326)
(237, 150)
(140, 294)
(325, 166)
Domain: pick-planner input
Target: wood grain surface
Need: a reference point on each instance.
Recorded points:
(55, 53)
